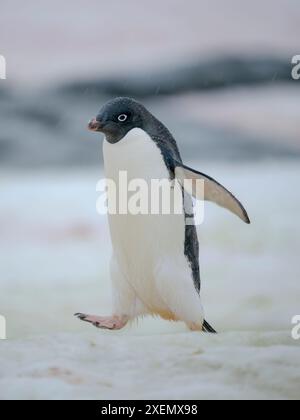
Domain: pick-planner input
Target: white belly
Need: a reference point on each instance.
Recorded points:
(142, 242)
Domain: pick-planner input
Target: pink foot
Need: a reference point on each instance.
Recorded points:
(195, 327)
(106, 322)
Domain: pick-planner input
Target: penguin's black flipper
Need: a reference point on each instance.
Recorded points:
(213, 191)
(208, 328)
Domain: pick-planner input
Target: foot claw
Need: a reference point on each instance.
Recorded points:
(80, 316)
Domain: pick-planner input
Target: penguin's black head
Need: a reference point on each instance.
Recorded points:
(118, 116)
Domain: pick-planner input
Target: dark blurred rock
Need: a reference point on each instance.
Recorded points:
(6, 149)
(49, 118)
(49, 128)
(4, 91)
(214, 74)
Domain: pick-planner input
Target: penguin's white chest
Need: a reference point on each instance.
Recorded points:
(137, 154)
(141, 242)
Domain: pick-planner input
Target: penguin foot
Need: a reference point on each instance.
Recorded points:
(206, 327)
(105, 322)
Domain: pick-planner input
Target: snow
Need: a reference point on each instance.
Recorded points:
(98, 365)
(54, 262)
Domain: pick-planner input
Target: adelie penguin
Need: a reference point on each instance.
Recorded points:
(155, 262)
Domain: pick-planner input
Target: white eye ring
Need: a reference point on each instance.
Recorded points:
(122, 117)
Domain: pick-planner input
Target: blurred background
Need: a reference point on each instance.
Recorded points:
(218, 74)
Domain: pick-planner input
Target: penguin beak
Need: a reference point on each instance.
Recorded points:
(95, 125)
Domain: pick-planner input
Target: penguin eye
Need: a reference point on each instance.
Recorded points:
(122, 117)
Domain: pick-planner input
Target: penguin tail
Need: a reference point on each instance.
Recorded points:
(207, 328)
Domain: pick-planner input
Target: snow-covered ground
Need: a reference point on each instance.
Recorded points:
(98, 365)
(54, 262)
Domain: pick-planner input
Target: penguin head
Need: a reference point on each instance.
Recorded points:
(117, 117)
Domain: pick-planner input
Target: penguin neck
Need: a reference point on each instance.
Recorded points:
(135, 153)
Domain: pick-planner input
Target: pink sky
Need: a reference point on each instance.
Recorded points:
(45, 41)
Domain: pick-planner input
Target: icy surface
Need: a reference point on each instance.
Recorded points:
(101, 365)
